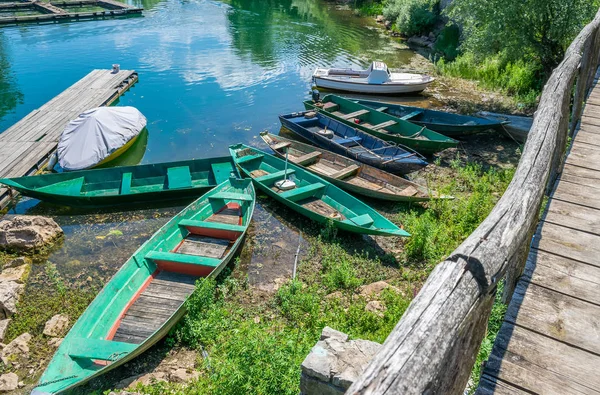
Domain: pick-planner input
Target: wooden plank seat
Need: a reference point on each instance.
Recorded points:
(249, 158)
(384, 125)
(104, 350)
(330, 106)
(231, 196)
(412, 115)
(345, 172)
(125, 183)
(355, 114)
(381, 109)
(217, 230)
(278, 175)
(302, 192)
(72, 187)
(348, 141)
(278, 146)
(179, 177)
(307, 158)
(361, 220)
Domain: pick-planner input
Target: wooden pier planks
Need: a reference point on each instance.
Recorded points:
(549, 342)
(29, 142)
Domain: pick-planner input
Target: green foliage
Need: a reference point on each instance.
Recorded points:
(537, 31)
(440, 228)
(369, 7)
(412, 16)
(494, 324)
(448, 41)
(338, 270)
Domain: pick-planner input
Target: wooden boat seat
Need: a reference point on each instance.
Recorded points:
(70, 187)
(274, 176)
(381, 109)
(307, 158)
(244, 197)
(217, 230)
(222, 171)
(412, 115)
(361, 220)
(384, 125)
(349, 141)
(175, 262)
(330, 106)
(302, 192)
(345, 172)
(104, 350)
(249, 158)
(278, 146)
(355, 114)
(179, 177)
(125, 183)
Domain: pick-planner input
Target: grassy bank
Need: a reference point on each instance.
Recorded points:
(256, 345)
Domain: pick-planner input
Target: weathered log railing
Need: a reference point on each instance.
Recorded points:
(433, 348)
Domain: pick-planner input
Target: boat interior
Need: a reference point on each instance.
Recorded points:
(133, 180)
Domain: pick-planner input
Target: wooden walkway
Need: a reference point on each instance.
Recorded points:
(550, 340)
(27, 144)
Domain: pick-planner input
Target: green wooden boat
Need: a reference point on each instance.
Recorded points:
(348, 174)
(127, 184)
(311, 195)
(146, 297)
(385, 126)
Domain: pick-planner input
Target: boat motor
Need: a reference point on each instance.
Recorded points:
(316, 96)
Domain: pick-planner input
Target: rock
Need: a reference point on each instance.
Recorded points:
(379, 19)
(17, 274)
(21, 384)
(334, 295)
(387, 24)
(56, 326)
(182, 375)
(376, 307)
(9, 382)
(420, 41)
(431, 36)
(26, 233)
(10, 292)
(257, 320)
(55, 342)
(3, 328)
(19, 347)
(146, 379)
(375, 289)
(334, 363)
(20, 261)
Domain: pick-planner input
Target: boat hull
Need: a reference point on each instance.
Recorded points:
(105, 187)
(372, 89)
(395, 167)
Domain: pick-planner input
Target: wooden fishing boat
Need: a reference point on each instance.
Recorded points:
(377, 79)
(146, 297)
(348, 174)
(515, 126)
(127, 184)
(448, 124)
(353, 143)
(310, 195)
(381, 125)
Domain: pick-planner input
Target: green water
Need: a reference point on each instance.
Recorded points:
(211, 74)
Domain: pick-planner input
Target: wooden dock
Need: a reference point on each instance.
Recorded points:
(61, 10)
(27, 144)
(550, 340)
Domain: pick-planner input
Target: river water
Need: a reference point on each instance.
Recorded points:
(211, 74)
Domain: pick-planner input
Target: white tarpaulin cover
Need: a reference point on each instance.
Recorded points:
(96, 134)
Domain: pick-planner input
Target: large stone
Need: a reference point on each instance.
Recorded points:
(18, 348)
(334, 363)
(9, 382)
(10, 292)
(55, 342)
(376, 307)
(26, 233)
(3, 328)
(56, 326)
(20, 261)
(17, 274)
(375, 289)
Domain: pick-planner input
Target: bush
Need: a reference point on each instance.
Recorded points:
(412, 17)
(448, 41)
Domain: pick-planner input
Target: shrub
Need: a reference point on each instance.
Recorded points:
(412, 17)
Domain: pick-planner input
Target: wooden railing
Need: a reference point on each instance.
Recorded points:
(433, 348)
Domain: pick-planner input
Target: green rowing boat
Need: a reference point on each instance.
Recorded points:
(348, 174)
(386, 127)
(146, 297)
(127, 184)
(310, 195)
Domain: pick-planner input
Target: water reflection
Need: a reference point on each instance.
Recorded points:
(10, 96)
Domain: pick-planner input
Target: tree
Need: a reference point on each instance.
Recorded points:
(537, 31)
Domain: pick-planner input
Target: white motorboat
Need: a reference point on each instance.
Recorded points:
(377, 79)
